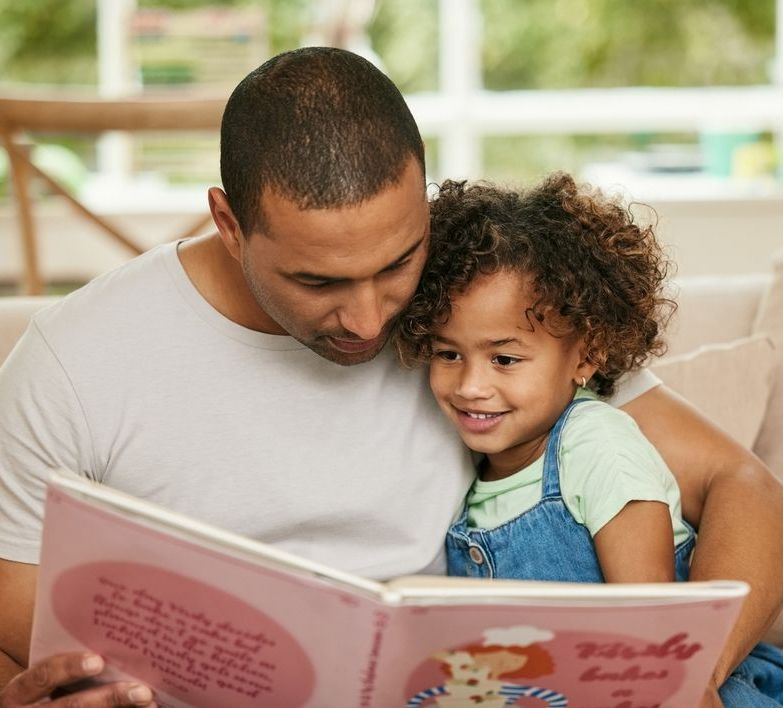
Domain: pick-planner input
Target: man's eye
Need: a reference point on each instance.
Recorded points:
(505, 360)
(446, 355)
(396, 266)
(316, 285)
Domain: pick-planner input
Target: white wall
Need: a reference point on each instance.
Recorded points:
(73, 250)
(721, 237)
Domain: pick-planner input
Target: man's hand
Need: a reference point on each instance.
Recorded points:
(711, 698)
(39, 681)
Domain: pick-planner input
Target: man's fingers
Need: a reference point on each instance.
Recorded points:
(40, 680)
(113, 695)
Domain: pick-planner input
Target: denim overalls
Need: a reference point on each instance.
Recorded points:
(542, 543)
(547, 543)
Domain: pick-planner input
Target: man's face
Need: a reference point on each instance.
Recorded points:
(335, 279)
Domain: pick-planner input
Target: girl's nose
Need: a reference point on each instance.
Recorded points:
(472, 384)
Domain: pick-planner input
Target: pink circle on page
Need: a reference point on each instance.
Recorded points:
(189, 639)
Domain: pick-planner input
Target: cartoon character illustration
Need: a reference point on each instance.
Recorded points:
(487, 674)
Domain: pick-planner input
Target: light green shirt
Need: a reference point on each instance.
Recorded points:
(605, 462)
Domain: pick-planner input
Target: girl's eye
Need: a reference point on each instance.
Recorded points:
(446, 355)
(505, 360)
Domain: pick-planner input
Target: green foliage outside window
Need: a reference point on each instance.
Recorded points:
(602, 43)
(526, 43)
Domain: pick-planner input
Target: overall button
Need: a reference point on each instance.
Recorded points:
(476, 555)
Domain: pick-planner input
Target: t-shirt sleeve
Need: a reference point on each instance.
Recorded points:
(606, 462)
(631, 386)
(42, 428)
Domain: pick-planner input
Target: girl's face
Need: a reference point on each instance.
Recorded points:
(501, 384)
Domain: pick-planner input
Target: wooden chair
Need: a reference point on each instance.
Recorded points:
(51, 113)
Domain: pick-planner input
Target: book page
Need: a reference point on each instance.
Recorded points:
(553, 654)
(200, 627)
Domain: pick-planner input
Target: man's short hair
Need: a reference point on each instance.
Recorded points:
(322, 127)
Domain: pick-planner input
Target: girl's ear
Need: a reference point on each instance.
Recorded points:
(585, 368)
(584, 373)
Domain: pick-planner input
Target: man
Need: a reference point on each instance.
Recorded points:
(242, 377)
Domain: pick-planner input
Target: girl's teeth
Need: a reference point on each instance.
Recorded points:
(481, 416)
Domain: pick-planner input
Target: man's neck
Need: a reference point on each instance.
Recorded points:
(219, 280)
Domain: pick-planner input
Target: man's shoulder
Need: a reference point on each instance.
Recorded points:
(632, 385)
(132, 292)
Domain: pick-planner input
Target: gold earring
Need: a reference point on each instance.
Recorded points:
(584, 382)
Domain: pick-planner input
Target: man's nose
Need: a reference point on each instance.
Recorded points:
(363, 314)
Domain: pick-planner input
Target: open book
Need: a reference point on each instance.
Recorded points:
(209, 618)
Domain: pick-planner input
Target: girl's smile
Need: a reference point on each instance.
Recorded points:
(477, 421)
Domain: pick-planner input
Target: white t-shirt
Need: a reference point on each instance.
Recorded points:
(137, 382)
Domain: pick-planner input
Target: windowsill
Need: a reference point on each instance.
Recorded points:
(692, 188)
(151, 195)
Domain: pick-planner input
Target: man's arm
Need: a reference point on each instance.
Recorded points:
(17, 595)
(734, 501)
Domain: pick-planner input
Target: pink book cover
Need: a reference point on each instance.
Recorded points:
(207, 618)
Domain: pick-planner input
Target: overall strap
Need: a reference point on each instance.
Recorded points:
(551, 477)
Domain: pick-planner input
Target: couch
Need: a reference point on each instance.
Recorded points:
(725, 355)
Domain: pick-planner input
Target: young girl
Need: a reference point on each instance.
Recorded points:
(532, 306)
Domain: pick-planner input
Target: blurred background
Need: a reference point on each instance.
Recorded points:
(676, 104)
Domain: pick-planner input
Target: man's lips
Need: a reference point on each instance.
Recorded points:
(479, 421)
(355, 346)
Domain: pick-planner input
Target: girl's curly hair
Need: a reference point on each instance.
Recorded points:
(589, 262)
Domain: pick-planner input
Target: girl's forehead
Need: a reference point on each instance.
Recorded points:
(501, 285)
(503, 306)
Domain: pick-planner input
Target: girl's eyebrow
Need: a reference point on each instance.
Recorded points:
(503, 342)
(443, 340)
(488, 344)
(520, 343)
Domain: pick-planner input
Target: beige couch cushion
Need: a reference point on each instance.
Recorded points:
(15, 313)
(728, 382)
(713, 309)
(769, 321)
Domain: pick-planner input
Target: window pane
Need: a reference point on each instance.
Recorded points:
(404, 33)
(608, 43)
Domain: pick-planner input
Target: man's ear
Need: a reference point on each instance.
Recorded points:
(226, 222)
